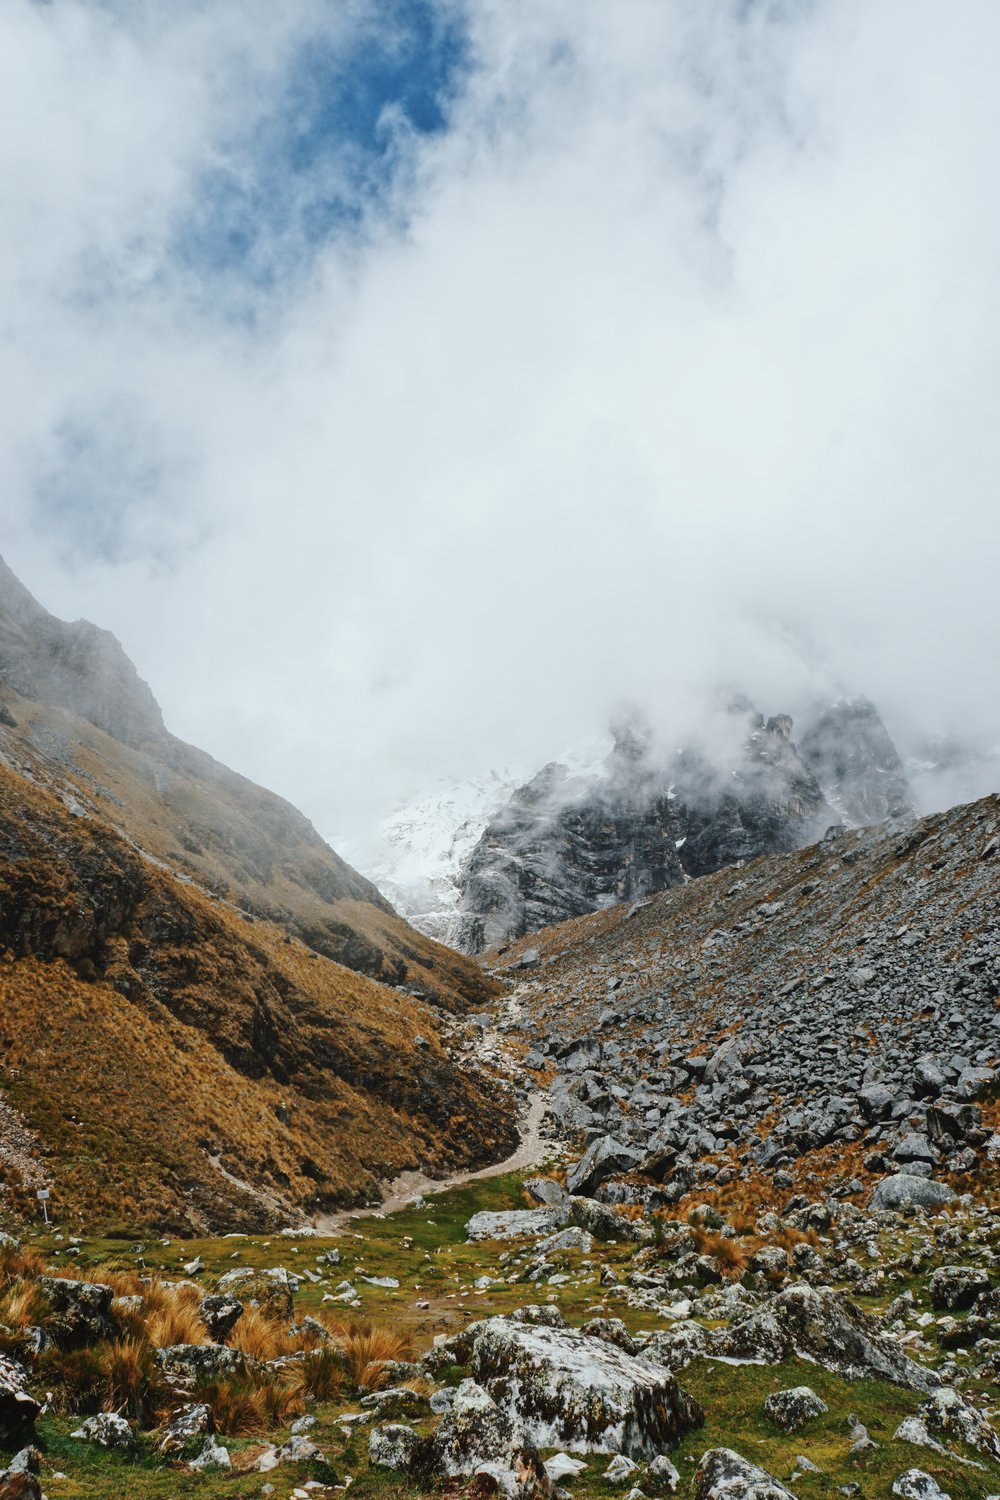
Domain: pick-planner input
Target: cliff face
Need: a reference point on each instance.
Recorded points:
(182, 1031)
(564, 846)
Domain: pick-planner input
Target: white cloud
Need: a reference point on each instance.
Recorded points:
(687, 345)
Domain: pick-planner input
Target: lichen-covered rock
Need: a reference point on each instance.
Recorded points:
(725, 1475)
(478, 1436)
(185, 1426)
(789, 1409)
(212, 1456)
(19, 1481)
(18, 1409)
(916, 1485)
(956, 1287)
(220, 1313)
(107, 1429)
(947, 1415)
(514, 1223)
(676, 1347)
(272, 1290)
(824, 1326)
(184, 1364)
(392, 1446)
(580, 1393)
(81, 1310)
(603, 1222)
(902, 1188)
(395, 1403)
(612, 1331)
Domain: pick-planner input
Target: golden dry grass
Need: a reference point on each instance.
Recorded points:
(367, 1349)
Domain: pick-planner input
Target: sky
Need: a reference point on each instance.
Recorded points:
(408, 384)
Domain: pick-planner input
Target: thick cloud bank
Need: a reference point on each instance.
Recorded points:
(576, 354)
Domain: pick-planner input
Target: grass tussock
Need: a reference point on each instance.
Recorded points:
(260, 1336)
(243, 1406)
(368, 1348)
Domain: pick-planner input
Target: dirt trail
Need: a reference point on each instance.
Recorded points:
(398, 1193)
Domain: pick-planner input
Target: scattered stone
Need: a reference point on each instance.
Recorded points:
(725, 1475)
(957, 1287)
(107, 1429)
(187, 1424)
(392, 1446)
(516, 1222)
(18, 1409)
(212, 1456)
(789, 1409)
(916, 1485)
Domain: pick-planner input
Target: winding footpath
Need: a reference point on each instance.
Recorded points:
(398, 1193)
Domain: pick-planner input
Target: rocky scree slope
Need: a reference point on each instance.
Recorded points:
(834, 1009)
(566, 845)
(179, 1044)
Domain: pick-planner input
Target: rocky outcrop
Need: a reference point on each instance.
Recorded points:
(565, 845)
(848, 749)
(571, 1390)
(825, 1327)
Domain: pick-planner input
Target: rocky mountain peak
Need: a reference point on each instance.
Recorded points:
(76, 666)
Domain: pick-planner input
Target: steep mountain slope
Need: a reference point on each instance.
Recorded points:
(184, 1042)
(75, 716)
(834, 1009)
(562, 847)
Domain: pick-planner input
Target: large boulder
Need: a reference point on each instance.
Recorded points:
(725, 1475)
(603, 1158)
(478, 1436)
(948, 1416)
(81, 1310)
(603, 1222)
(187, 1364)
(576, 1392)
(512, 1224)
(957, 1287)
(18, 1410)
(822, 1326)
(903, 1189)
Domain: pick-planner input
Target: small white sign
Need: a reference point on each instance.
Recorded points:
(42, 1194)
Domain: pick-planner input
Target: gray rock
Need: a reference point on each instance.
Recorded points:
(725, 1475)
(188, 1363)
(514, 1223)
(916, 1485)
(82, 1310)
(18, 1409)
(603, 1158)
(567, 1239)
(212, 1456)
(957, 1287)
(392, 1446)
(789, 1409)
(544, 1190)
(220, 1313)
(948, 1416)
(902, 1189)
(107, 1429)
(580, 1393)
(480, 1437)
(823, 1326)
(186, 1425)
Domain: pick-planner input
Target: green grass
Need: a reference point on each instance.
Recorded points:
(425, 1248)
